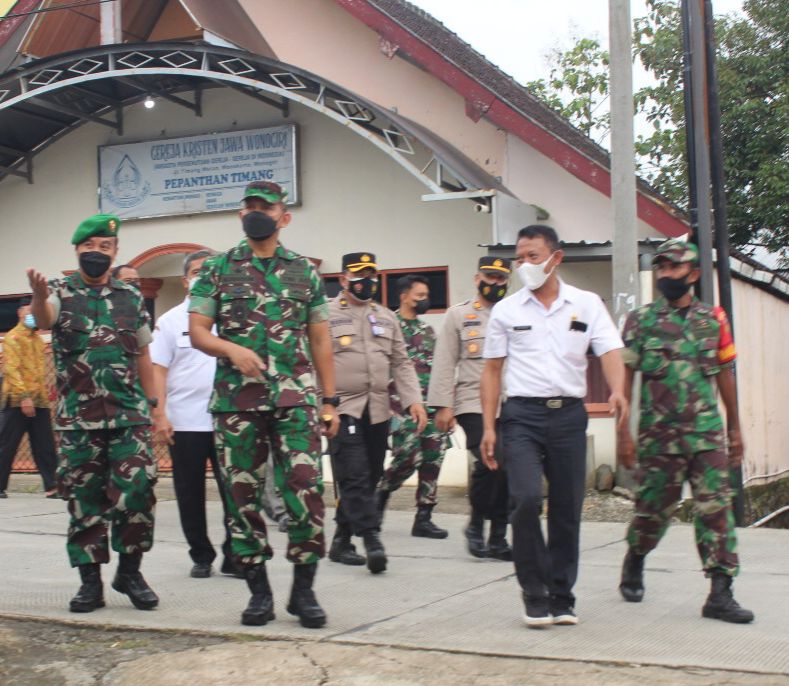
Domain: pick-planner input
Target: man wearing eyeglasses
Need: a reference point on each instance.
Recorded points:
(369, 350)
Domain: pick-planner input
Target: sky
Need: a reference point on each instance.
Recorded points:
(517, 35)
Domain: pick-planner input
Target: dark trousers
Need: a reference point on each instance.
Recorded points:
(488, 493)
(358, 452)
(539, 440)
(189, 453)
(42, 443)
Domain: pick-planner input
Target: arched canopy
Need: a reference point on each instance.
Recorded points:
(46, 99)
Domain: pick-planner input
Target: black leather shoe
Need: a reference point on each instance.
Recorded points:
(260, 608)
(231, 569)
(303, 602)
(344, 552)
(475, 536)
(201, 570)
(424, 527)
(376, 555)
(498, 548)
(631, 585)
(721, 603)
(90, 595)
(128, 580)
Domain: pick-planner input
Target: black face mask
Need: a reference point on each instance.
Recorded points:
(94, 263)
(672, 289)
(422, 306)
(363, 289)
(258, 225)
(492, 292)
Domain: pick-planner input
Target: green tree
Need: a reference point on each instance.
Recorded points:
(753, 75)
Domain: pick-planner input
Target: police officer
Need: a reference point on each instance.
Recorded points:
(269, 308)
(412, 451)
(369, 350)
(100, 337)
(454, 389)
(680, 345)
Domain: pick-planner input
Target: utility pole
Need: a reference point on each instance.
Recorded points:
(110, 22)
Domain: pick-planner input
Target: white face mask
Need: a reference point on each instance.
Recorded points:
(533, 275)
(192, 282)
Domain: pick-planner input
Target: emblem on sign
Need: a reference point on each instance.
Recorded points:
(127, 188)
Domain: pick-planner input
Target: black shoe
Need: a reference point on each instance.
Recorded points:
(721, 603)
(231, 569)
(631, 585)
(201, 570)
(423, 526)
(303, 602)
(537, 614)
(562, 611)
(260, 608)
(128, 580)
(344, 552)
(90, 595)
(376, 555)
(475, 536)
(498, 548)
(381, 499)
(3, 494)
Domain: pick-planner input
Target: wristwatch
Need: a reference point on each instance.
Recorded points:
(333, 400)
(153, 402)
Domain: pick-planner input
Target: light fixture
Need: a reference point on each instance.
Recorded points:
(149, 102)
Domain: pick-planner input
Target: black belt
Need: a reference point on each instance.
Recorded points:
(552, 403)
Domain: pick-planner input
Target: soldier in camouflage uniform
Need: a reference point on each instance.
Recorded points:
(412, 451)
(680, 345)
(100, 337)
(271, 317)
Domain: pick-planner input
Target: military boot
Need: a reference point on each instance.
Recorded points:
(381, 499)
(90, 595)
(632, 584)
(721, 603)
(260, 608)
(302, 601)
(475, 535)
(376, 555)
(128, 580)
(498, 548)
(343, 551)
(423, 526)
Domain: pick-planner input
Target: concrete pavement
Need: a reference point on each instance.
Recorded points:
(434, 596)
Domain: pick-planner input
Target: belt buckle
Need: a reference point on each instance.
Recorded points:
(554, 403)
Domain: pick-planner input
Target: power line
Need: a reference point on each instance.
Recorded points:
(53, 8)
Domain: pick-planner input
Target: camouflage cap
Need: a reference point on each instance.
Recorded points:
(102, 225)
(270, 192)
(677, 251)
(356, 261)
(494, 265)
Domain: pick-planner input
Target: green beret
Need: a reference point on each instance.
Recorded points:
(677, 251)
(103, 225)
(270, 192)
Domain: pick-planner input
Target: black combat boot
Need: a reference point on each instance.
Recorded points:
(90, 595)
(424, 527)
(498, 548)
(260, 608)
(128, 580)
(343, 551)
(381, 499)
(721, 603)
(302, 601)
(632, 584)
(475, 535)
(376, 555)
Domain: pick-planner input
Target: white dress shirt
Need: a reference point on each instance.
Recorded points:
(190, 373)
(546, 348)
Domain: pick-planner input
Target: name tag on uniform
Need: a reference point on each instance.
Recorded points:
(522, 327)
(575, 325)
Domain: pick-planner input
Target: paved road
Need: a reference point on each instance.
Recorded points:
(433, 596)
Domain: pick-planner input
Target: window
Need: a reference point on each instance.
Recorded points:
(438, 278)
(8, 316)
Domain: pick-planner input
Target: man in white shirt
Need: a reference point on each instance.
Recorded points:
(543, 332)
(184, 380)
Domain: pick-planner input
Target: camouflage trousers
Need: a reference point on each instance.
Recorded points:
(244, 441)
(107, 476)
(415, 452)
(661, 478)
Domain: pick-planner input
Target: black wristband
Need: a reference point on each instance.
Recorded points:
(333, 400)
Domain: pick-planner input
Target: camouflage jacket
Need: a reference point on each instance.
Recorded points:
(264, 305)
(96, 340)
(678, 358)
(420, 343)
